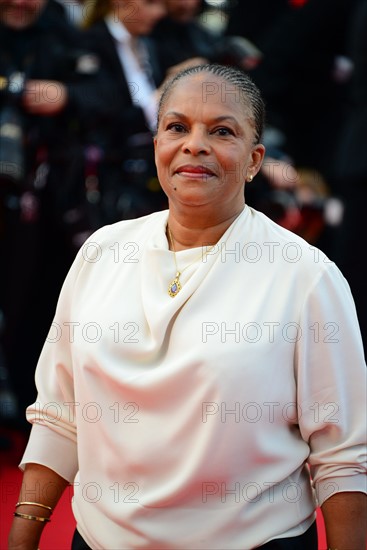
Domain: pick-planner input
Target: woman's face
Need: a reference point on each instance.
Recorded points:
(139, 16)
(19, 14)
(205, 144)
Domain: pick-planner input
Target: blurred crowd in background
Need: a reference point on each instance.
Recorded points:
(79, 84)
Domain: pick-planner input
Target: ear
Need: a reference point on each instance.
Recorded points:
(155, 149)
(257, 157)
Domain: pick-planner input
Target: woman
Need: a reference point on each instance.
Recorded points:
(195, 368)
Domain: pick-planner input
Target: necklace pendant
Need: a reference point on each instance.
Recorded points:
(175, 286)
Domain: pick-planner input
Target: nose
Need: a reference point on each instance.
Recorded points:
(196, 142)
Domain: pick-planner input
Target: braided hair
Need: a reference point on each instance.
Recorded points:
(249, 92)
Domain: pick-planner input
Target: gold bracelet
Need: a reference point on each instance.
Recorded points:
(33, 518)
(34, 504)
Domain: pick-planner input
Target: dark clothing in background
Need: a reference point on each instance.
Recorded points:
(177, 42)
(254, 20)
(41, 212)
(350, 169)
(351, 158)
(297, 77)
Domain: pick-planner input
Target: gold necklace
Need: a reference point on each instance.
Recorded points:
(175, 285)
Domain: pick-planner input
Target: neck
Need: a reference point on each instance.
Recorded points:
(194, 231)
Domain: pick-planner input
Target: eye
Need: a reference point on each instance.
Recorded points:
(223, 131)
(176, 127)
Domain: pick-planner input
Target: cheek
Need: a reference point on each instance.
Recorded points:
(160, 162)
(233, 167)
(163, 154)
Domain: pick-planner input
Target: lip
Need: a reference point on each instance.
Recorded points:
(196, 171)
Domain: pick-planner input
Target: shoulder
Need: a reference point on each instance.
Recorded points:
(99, 39)
(267, 227)
(121, 242)
(137, 229)
(286, 249)
(294, 267)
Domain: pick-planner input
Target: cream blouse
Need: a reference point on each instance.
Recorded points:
(194, 422)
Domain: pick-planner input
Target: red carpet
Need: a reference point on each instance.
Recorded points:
(58, 533)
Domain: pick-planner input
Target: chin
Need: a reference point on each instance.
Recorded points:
(192, 199)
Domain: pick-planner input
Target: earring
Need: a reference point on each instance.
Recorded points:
(250, 177)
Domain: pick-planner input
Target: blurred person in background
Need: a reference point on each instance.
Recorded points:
(122, 182)
(48, 100)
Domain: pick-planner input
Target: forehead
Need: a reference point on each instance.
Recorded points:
(206, 92)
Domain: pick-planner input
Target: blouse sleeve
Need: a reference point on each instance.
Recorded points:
(331, 387)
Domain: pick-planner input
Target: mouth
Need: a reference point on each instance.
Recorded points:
(194, 172)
